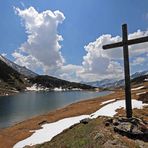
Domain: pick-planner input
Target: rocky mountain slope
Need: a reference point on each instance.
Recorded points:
(22, 70)
(10, 78)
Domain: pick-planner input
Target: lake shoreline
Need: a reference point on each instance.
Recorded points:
(11, 92)
(21, 130)
(8, 93)
(65, 100)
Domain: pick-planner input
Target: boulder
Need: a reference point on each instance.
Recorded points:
(85, 121)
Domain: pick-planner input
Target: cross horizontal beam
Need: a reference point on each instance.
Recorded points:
(129, 42)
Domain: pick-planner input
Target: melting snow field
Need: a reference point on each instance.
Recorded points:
(110, 109)
(50, 130)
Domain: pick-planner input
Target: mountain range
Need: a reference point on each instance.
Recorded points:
(110, 83)
(16, 78)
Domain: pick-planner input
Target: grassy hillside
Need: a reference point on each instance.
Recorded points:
(96, 135)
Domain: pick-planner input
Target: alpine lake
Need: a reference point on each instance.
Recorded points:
(22, 106)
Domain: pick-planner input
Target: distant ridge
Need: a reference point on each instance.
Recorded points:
(107, 83)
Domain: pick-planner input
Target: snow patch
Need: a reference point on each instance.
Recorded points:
(110, 109)
(66, 89)
(140, 93)
(36, 88)
(50, 130)
(76, 89)
(105, 102)
(58, 89)
(138, 88)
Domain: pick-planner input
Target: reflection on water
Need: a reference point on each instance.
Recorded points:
(22, 106)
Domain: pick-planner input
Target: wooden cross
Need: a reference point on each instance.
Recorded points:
(125, 42)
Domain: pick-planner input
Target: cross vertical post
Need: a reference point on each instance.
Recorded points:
(125, 43)
(126, 71)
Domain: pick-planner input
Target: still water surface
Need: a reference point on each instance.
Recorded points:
(14, 109)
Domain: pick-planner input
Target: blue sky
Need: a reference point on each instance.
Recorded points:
(84, 22)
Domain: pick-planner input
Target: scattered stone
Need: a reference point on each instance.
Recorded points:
(113, 144)
(122, 119)
(143, 97)
(143, 128)
(116, 136)
(107, 124)
(72, 126)
(115, 122)
(43, 122)
(85, 121)
(110, 120)
(91, 115)
(99, 136)
(141, 144)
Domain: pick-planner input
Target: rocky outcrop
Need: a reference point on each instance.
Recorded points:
(143, 97)
(133, 128)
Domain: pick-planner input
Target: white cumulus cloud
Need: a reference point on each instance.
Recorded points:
(98, 63)
(70, 72)
(42, 48)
